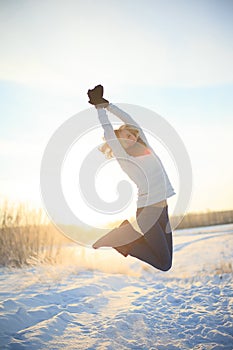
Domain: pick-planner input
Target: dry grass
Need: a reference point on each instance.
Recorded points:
(27, 237)
(224, 267)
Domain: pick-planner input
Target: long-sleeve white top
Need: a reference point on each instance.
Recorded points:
(146, 171)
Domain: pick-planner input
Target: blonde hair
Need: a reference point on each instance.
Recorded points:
(106, 149)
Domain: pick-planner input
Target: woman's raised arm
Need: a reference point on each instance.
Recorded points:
(110, 135)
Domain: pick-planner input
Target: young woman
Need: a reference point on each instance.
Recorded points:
(130, 147)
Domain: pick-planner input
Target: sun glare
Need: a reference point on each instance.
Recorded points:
(105, 175)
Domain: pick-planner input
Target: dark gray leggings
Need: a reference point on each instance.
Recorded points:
(155, 247)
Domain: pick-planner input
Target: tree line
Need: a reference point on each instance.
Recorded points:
(205, 219)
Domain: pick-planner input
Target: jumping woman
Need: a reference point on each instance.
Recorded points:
(129, 145)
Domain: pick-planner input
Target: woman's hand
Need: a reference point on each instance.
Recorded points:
(96, 97)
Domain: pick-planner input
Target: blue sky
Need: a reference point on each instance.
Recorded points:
(174, 57)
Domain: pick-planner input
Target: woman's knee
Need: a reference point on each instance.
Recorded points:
(160, 266)
(166, 265)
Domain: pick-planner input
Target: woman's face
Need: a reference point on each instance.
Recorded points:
(127, 138)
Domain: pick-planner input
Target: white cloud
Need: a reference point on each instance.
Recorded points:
(76, 47)
(208, 148)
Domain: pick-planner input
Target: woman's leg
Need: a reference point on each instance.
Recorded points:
(159, 233)
(166, 227)
(119, 236)
(155, 247)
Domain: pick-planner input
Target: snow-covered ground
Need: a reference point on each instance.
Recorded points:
(101, 300)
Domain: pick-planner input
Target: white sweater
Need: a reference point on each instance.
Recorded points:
(146, 171)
